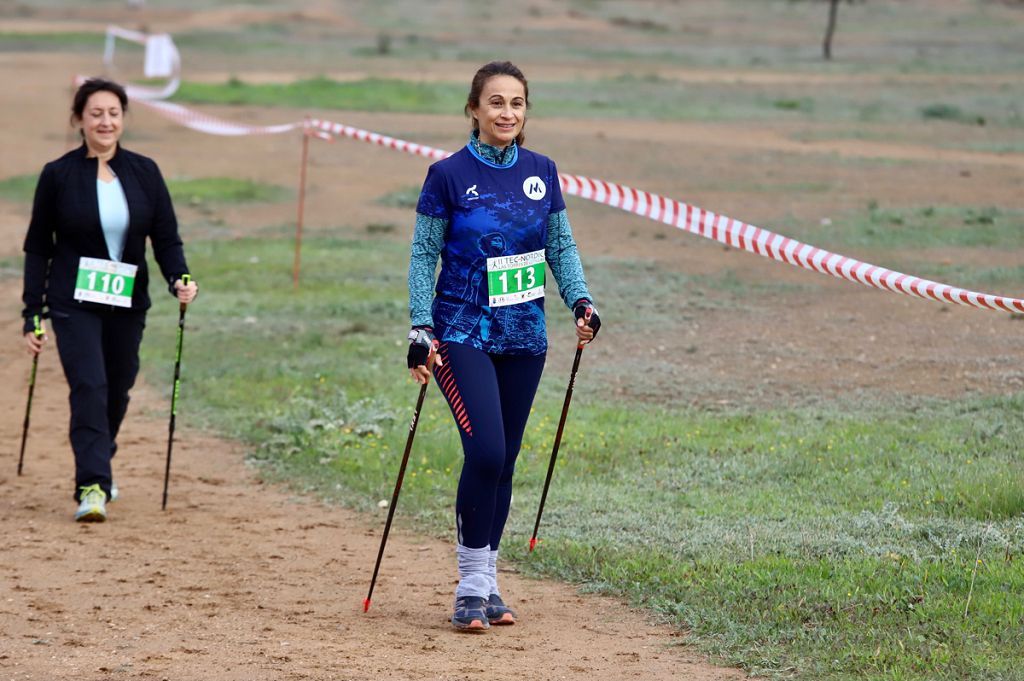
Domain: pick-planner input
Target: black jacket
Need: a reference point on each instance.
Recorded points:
(66, 226)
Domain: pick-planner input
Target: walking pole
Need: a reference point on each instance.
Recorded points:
(174, 394)
(394, 495)
(558, 434)
(31, 387)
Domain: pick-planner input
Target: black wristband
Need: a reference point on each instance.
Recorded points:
(421, 342)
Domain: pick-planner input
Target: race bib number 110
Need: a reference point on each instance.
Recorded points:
(105, 281)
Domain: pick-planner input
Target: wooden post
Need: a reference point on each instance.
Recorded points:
(302, 202)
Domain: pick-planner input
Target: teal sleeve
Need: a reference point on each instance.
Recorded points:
(427, 242)
(564, 260)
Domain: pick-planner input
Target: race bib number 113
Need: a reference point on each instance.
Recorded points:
(513, 279)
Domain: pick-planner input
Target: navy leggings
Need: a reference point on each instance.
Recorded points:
(490, 397)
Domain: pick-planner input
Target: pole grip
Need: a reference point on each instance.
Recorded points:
(586, 321)
(185, 279)
(38, 331)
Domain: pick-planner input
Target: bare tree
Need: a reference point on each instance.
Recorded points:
(833, 10)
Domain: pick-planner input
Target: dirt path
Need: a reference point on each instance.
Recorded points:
(240, 580)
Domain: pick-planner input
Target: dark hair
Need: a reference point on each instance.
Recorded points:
(484, 74)
(91, 87)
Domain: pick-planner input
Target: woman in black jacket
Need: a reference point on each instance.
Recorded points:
(85, 268)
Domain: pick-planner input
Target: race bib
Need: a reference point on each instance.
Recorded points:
(105, 281)
(514, 279)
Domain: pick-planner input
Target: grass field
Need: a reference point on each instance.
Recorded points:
(193, 191)
(861, 540)
(646, 97)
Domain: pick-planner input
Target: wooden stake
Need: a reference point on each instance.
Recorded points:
(302, 203)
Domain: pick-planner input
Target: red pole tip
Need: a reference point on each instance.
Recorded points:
(366, 604)
(533, 543)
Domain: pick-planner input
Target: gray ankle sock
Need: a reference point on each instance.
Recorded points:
(474, 579)
(492, 571)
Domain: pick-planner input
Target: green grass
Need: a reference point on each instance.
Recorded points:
(921, 227)
(224, 190)
(948, 112)
(997, 280)
(372, 94)
(979, 139)
(406, 198)
(833, 541)
(19, 188)
(185, 190)
(625, 96)
(62, 42)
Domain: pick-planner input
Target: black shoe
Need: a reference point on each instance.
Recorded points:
(470, 614)
(498, 612)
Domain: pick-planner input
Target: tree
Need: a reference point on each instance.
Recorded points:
(833, 10)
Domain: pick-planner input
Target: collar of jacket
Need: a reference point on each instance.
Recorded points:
(116, 162)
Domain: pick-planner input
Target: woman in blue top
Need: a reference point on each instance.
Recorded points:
(493, 212)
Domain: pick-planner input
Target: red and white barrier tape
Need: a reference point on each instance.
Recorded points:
(654, 207)
(724, 229)
(375, 138)
(775, 246)
(213, 125)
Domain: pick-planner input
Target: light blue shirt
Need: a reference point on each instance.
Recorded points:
(113, 216)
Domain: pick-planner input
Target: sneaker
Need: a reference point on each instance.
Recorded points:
(498, 612)
(469, 614)
(113, 491)
(92, 507)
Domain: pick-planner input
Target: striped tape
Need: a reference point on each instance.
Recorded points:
(763, 242)
(724, 230)
(211, 124)
(668, 211)
(380, 140)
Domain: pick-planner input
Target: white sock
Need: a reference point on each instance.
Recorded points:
(474, 578)
(492, 571)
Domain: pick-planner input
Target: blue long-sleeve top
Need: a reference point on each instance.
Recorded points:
(428, 241)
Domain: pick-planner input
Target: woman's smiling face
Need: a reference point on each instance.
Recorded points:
(501, 111)
(102, 120)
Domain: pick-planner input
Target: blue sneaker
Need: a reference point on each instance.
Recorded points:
(470, 614)
(92, 505)
(497, 612)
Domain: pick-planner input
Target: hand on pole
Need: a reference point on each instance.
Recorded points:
(34, 342)
(588, 322)
(186, 289)
(35, 339)
(422, 354)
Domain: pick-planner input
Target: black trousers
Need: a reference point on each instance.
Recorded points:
(99, 350)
